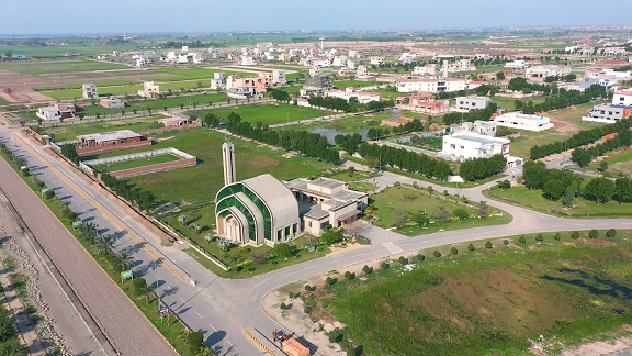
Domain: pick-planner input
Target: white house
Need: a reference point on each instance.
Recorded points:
(428, 69)
(520, 121)
(622, 97)
(467, 103)
(430, 85)
(547, 71)
(471, 145)
(247, 60)
(58, 111)
(377, 61)
(348, 93)
(89, 91)
(607, 113)
(244, 92)
(278, 77)
(517, 63)
(150, 90)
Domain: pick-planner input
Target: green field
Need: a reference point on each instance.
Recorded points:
(396, 207)
(352, 124)
(486, 301)
(59, 66)
(584, 209)
(139, 162)
(268, 114)
(199, 184)
(70, 132)
(357, 83)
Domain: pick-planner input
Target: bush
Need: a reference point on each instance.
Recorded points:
(366, 269)
(283, 306)
(308, 288)
(292, 295)
(328, 281)
(384, 265)
(611, 233)
(195, 341)
(488, 244)
(349, 276)
(539, 238)
(402, 260)
(522, 239)
(506, 242)
(593, 234)
(575, 235)
(335, 336)
(420, 257)
(471, 247)
(40, 184)
(454, 250)
(49, 194)
(558, 237)
(446, 193)
(140, 286)
(436, 253)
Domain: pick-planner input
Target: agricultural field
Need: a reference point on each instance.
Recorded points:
(199, 184)
(353, 124)
(485, 300)
(59, 66)
(71, 131)
(139, 162)
(269, 114)
(584, 209)
(402, 208)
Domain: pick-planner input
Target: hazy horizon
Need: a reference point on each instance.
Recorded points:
(201, 16)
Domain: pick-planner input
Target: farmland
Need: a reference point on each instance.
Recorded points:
(70, 132)
(488, 300)
(269, 114)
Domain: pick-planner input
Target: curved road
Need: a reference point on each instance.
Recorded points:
(222, 308)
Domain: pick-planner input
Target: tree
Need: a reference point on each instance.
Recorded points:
(126, 260)
(471, 247)
(436, 253)
(195, 340)
(539, 237)
(210, 120)
(104, 244)
(599, 189)
(504, 184)
(500, 75)
(483, 209)
(623, 190)
(611, 233)
(402, 260)
(367, 270)
(441, 215)
(575, 235)
(461, 214)
(522, 239)
(454, 250)
(593, 234)
(331, 236)
(283, 250)
(488, 244)
(140, 286)
(283, 306)
(557, 237)
(581, 157)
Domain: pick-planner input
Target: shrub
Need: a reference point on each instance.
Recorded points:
(593, 234)
(349, 276)
(366, 269)
(384, 265)
(40, 184)
(140, 286)
(471, 247)
(49, 194)
(488, 244)
(446, 193)
(506, 242)
(283, 306)
(195, 341)
(335, 336)
(292, 295)
(454, 250)
(558, 237)
(420, 257)
(70, 215)
(522, 239)
(436, 253)
(308, 288)
(402, 260)
(328, 281)
(539, 238)
(575, 235)
(611, 233)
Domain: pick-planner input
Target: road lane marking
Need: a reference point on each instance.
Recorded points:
(200, 315)
(214, 329)
(57, 173)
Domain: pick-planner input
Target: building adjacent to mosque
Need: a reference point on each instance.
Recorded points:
(265, 210)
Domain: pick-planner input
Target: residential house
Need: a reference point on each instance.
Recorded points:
(464, 146)
(89, 91)
(467, 103)
(518, 120)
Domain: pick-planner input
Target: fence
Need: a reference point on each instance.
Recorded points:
(131, 156)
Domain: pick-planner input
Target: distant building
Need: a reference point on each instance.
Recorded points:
(89, 91)
(57, 112)
(487, 128)
(547, 71)
(608, 113)
(109, 141)
(219, 81)
(150, 90)
(362, 73)
(278, 77)
(247, 60)
(517, 64)
(622, 97)
(427, 70)
(430, 85)
(467, 103)
(244, 93)
(423, 104)
(470, 145)
(377, 61)
(520, 121)
(112, 103)
(348, 93)
(318, 82)
(175, 121)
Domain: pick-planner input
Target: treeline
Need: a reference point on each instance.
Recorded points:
(583, 156)
(280, 95)
(70, 151)
(10, 344)
(560, 184)
(473, 115)
(483, 90)
(522, 84)
(310, 144)
(353, 105)
(144, 200)
(402, 159)
(349, 143)
(564, 78)
(414, 125)
(579, 139)
(565, 99)
(480, 168)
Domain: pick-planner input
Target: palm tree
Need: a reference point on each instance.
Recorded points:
(104, 244)
(126, 260)
(89, 232)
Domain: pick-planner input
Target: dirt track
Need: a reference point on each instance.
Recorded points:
(126, 328)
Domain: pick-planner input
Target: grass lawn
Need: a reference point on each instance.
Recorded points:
(70, 132)
(356, 176)
(139, 162)
(199, 184)
(487, 301)
(396, 206)
(352, 124)
(584, 209)
(388, 94)
(272, 113)
(362, 186)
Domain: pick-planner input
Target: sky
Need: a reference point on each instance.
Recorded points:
(191, 16)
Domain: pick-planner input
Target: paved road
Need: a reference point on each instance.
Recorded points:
(222, 308)
(107, 304)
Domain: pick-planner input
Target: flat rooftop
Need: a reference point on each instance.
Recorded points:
(109, 136)
(486, 140)
(345, 195)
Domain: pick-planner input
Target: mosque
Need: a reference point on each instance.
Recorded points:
(265, 210)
